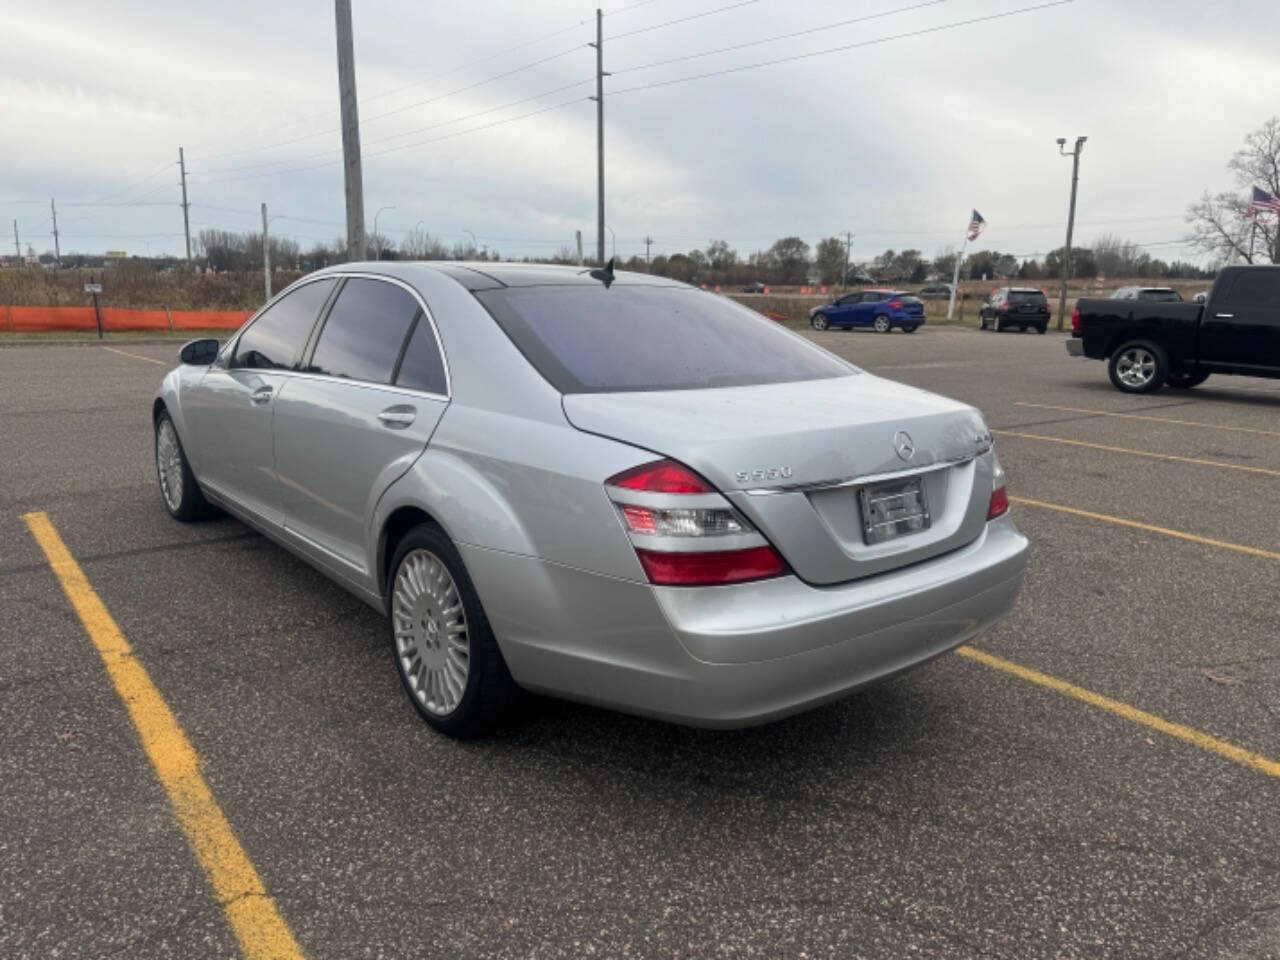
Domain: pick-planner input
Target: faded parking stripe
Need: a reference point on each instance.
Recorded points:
(258, 926)
(1182, 732)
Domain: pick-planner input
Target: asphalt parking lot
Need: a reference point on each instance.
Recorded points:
(1022, 802)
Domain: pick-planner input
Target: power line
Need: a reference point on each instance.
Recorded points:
(840, 49)
(669, 23)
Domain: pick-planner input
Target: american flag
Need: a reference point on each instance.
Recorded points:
(976, 223)
(1263, 201)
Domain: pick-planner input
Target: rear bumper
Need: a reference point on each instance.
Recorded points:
(1075, 347)
(740, 655)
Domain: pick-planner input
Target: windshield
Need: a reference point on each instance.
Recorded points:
(589, 339)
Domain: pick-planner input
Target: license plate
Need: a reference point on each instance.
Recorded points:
(893, 509)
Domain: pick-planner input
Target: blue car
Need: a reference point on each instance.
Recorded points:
(882, 310)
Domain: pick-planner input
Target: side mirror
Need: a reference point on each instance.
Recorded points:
(199, 353)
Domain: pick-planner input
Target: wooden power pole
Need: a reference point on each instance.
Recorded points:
(352, 177)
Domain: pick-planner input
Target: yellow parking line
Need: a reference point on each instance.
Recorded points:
(1138, 416)
(1150, 528)
(261, 931)
(136, 356)
(1139, 453)
(1182, 732)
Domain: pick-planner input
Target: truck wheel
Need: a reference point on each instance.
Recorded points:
(1138, 367)
(1185, 381)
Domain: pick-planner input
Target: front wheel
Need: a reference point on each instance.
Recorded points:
(1138, 367)
(445, 651)
(1185, 381)
(178, 488)
(883, 324)
(818, 321)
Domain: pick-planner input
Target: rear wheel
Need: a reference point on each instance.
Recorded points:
(1185, 381)
(982, 322)
(1042, 328)
(1138, 367)
(446, 655)
(998, 324)
(178, 488)
(883, 324)
(910, 327)
(818, 321)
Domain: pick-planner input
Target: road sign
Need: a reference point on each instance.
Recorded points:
(93, 288)
(117, 255)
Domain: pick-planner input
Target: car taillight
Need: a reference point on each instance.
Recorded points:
(1075, 320)
(1004, 307)
(998, 505)
(684, 532)
(895, 304)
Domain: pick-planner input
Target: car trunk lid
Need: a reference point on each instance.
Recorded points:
(795, 458)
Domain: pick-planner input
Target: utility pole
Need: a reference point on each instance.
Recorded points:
(186, 219)
(1071, 218)
(599, 99)
(648, 241)
(578, 234)
(57, 250)
(848, 246)
(16, 245)
(266, 253)
(352, 177)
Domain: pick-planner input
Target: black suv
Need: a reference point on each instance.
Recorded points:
(1021, 307)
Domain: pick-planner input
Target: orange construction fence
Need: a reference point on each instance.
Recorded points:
(117, 319)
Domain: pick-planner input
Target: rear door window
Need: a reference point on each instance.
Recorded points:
(1259, 288)
(423, 367)
(589, 339)
(365, 331)
(274, 340)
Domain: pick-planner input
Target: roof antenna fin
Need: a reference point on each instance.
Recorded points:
(604, 274)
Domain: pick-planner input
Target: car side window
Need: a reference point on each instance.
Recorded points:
(1259, 288)
(365, 331)
(275, 339)
(422, 367)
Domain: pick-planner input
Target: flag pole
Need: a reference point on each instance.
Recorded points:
(955, 277)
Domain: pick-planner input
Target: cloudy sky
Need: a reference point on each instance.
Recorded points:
(895, 137)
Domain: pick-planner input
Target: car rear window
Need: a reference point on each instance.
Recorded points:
(1161, 295)
(1026, 296)
(589, 339)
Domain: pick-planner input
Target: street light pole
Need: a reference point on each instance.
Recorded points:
(614, 237)
(1071, 219)
(377, 236)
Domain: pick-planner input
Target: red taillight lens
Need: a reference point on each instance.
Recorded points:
(661, 476)
(999, 505)
(1075, 320)
(895, 304)
(1004, 307)
(705, 568)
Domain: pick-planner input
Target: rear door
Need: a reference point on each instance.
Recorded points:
(229, 414)
(864, 312)
(357, 415)
(1241, 325)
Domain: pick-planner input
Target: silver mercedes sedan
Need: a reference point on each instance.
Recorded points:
(608, 487)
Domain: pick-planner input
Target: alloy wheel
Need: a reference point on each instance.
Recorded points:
(432, 643)
(169, 464)
(1136, 367)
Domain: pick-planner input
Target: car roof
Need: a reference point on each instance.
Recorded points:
(492, 275)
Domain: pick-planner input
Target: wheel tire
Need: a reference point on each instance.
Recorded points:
(1042, 328)
(1138, 366)
(1185, 381)
(426, 572)
(818, 321)
(178, 488)
(998, 325)
(982, 322)
(1022, 328)
(883, 324)
(910, 328)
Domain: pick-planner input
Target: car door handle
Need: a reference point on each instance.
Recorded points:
(398, 417)
(1225, 316)
(261, 395)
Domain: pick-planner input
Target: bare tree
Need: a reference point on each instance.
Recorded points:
(1221, 224)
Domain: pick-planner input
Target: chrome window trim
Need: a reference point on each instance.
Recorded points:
(427, 315)
(365, 384)
(858, 481)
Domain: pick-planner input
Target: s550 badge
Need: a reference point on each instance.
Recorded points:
(759, 476)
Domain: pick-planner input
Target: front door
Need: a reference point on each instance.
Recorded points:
(230, 413)
(357, 416)
(1241, 325)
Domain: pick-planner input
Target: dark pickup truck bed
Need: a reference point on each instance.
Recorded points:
(1149, 344)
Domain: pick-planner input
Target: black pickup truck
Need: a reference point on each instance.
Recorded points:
(1148, 344)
